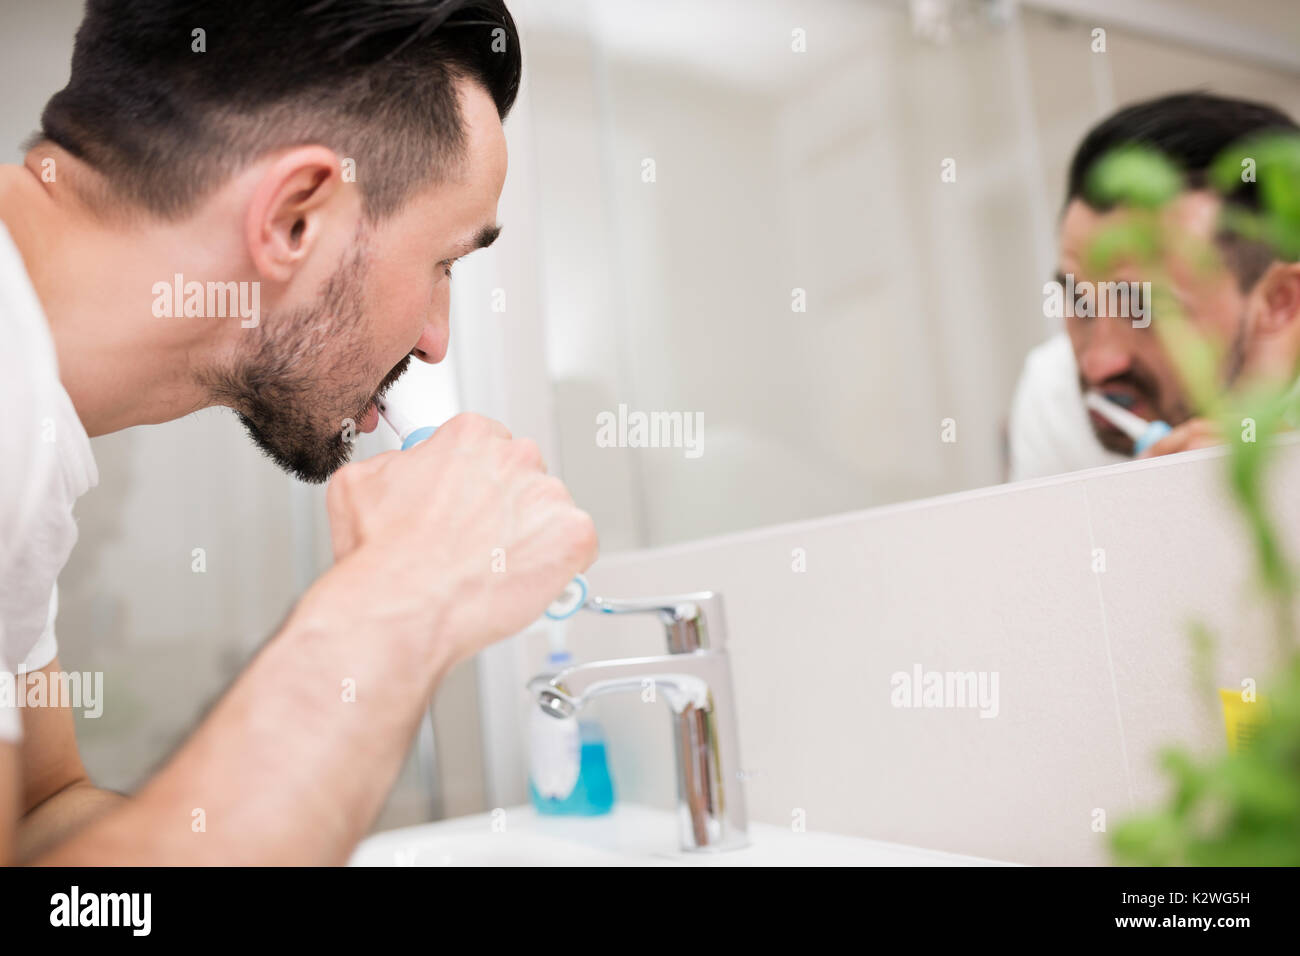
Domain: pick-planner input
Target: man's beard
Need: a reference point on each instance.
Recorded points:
(282, 388)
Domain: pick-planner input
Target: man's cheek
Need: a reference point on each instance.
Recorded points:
(402, 313)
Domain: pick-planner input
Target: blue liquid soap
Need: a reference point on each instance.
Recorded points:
(593, 794)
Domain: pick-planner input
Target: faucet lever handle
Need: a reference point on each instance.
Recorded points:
(692, 622)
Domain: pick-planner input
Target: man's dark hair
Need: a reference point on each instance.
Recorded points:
(1191, 130)
(374, 80)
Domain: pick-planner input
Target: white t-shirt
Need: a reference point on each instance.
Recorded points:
(1049, 431)
(45, 465)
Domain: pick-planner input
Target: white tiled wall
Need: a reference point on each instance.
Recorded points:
(1095, 669)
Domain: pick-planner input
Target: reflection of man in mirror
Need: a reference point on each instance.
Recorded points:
(1248, 301)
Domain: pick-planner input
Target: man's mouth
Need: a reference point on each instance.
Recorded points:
(369, 419)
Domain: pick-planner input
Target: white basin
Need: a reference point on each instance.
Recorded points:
(629, 836)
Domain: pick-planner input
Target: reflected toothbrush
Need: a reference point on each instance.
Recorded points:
(1144, 433)
(408, 433)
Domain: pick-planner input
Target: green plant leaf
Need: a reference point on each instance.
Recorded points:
(1133, 175)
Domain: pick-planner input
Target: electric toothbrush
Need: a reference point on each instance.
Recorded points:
(410, 434)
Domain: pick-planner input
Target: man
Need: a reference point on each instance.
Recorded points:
(1248, 302)
(215, 141)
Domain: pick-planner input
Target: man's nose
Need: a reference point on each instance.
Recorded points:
(431, 347)
(426, 345)
(1105, 352)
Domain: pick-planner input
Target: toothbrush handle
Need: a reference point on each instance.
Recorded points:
(419, 435)
(1154, 432)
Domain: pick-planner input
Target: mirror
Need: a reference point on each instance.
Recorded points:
(793, 254)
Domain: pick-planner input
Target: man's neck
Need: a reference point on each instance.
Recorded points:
(120, 364)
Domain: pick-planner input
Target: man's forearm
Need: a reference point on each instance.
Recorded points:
(61, 815)
(293, 764)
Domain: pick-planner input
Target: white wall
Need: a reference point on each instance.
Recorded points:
(1096, 670)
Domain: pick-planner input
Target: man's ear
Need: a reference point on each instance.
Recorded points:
(1277, 298)
(286, 215)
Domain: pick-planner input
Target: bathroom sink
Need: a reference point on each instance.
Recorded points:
(629, 836)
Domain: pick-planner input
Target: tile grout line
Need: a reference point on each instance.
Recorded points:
(1110, 662)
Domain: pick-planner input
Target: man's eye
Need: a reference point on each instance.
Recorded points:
(446, 265)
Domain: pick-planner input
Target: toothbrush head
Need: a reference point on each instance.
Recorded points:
(408, 433)
(570, 602)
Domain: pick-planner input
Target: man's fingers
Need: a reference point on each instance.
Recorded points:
(469, 425)
(493, 426)
(1194, 433)
(530, 453)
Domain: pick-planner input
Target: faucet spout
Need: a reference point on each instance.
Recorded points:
(683, 680)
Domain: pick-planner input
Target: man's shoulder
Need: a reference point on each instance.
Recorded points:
(1049, 381)
(29, 375)
(29, 372)
(1048, 426)
(1051, 366)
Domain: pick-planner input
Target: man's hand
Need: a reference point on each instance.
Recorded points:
(466, 525)
(1193, 433)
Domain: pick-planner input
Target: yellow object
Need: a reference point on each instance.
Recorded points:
(1241, 717)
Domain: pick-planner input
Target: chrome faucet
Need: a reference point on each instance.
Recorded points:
(694, 678)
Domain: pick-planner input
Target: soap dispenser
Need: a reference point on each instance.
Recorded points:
(568, 764)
